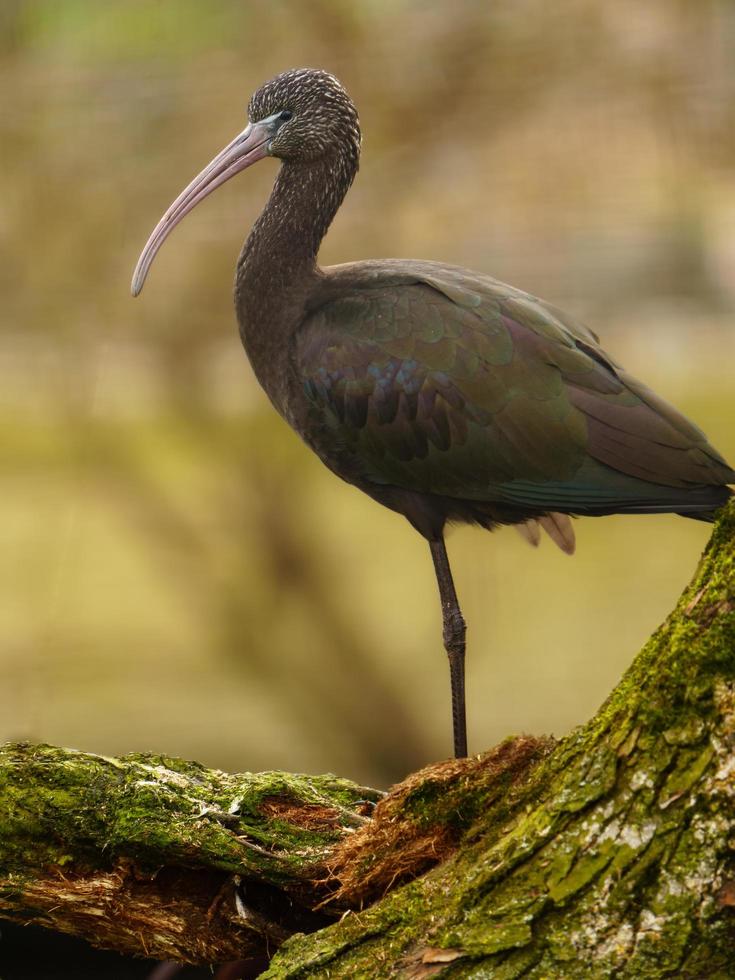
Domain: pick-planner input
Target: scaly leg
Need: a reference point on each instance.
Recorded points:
(454, 642)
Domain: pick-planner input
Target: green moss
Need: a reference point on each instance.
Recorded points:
(157, 810)
(690, 767)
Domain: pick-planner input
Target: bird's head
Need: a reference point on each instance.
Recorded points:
(310, 114)
(299, 116)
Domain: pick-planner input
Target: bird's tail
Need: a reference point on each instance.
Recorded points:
(559, 528)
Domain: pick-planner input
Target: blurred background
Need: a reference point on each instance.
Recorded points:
(179, 573)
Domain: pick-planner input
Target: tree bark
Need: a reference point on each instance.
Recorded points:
(609, 853)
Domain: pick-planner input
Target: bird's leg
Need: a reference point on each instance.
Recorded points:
(454, 642)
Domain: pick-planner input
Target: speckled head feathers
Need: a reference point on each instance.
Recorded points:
(323, 117)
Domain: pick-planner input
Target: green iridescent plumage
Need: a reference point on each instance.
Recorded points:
(441, 381)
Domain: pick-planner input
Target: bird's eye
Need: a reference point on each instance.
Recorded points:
(286, 115)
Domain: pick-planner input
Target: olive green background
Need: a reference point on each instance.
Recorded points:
(178, 573)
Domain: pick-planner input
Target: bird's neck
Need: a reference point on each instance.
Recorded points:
(277, 265)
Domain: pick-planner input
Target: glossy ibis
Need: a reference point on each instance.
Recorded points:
(442, 393)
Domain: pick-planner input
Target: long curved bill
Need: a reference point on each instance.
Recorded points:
(247, 148)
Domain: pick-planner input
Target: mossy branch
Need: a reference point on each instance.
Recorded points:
(160, 857)
(609, 853)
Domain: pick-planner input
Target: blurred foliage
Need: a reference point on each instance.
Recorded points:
(179, 573)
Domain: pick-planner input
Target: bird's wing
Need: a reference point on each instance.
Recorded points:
(470, 389)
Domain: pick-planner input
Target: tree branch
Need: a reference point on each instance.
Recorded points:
(165, 858)
(608, 853)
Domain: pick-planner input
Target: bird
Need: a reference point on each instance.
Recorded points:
(440, 392)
